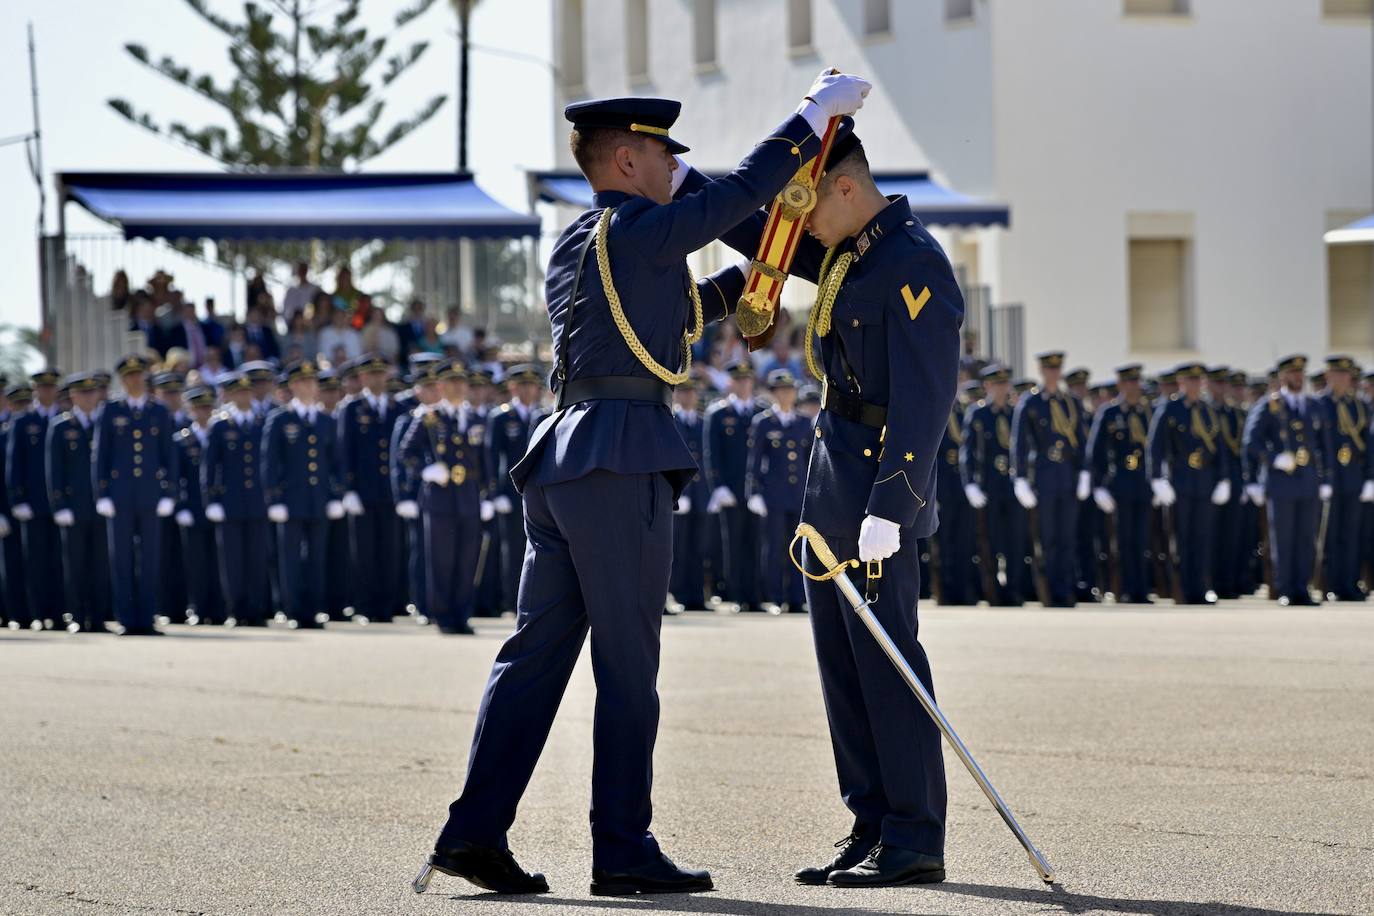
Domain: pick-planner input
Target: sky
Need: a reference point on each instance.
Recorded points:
(82, 63)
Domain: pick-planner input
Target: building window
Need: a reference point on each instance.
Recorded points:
(1155, 7)
(571, 65)
(1348, 9)
(1350, 295)
(799, 25)
(877, 17)
(1159, 290)
(958, 10)
(704, 33)
(637, 39)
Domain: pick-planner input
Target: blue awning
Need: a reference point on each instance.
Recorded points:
(933, 203)
(297, 206)
(1362, 230)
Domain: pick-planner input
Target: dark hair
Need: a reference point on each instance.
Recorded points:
(854, 165)
(592, 145)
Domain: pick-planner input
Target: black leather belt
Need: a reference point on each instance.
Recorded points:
(616, 388)
(853, 408)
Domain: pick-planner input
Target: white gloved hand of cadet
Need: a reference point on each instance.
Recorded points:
(408, 509)
(1284, 461)
(1024, 494)
(278, 513)
(502, 505)
(1164, 492)
(334, 510)
(64, 518)
(684, 505)
(1103, 497)
(721, 498)
(1085, 485)
(486, 510)
(836, 95)
(1221, 493)
(215, 512)
(878, 539)
(165, 507)
(104, 507)
(1325, 492)
(353, 503)
(1256, 493)
(757, 506)
(975, 495)
(185, 519)
(24, 512)
(1366, 493)
(436, 473)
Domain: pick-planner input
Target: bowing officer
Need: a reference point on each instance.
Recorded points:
(199, 553)
(601, 475)
(727, 467)
(985, 470)
(135, 475)
(779, 449)
(365, 430)
(26, 479)
(508, 434)
(303, 492)
(18, 397)
(1117, 446)
(1286, 471)
(1351, 474)
(231, 485)
(690, 536)
(71, 494)
(1047, 456)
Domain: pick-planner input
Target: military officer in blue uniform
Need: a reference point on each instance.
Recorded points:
(601, 476)
(26, 480)
(18, 397)
(690, 536)
(985, 471)
(492, 599)
(1189, 475)
(408, 509)
(365, 429)
(1086, 586)
(727, 463)
(1047, 458)
(168, 388)
(135, 476)
(955, 537)
(303, 489)
(340, 586)
(70, 443)
(779, 449)
(232, 489)
(1286, 471)
(508, 434)
(1116, 457)
(199, 553)
(1350, 464)
(1230, 553)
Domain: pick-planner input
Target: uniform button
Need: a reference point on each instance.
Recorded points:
(312, 466)
(382, 470)
(791, 456)
(248, 444)
(791, 443)
(138, 446)
(818, 434)
(138, 434)
(854, 322)
(247, 459)
(911, 222)
(382, 455)
(311, 439)
(796, 151)
(248, 484)
(312, 453)
(792, 479)
(868, 452)
(114, 475)
(314, 480)
(138, 472)
(138, 459)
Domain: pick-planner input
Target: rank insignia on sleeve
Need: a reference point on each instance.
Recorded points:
(914, 304)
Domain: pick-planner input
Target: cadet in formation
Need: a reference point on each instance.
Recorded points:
(26, 480)
(985, 470)
(85, 557)
(1351, 474)
(779, 449)
(508, 434)
(198, 548)
(727, 470)
(1117, 448)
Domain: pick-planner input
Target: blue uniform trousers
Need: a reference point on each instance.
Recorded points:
(43, 564)
(87, 561)
(1292, 541)
(452, 543)
(739, 555)
(1058, 515)
(780, 581)
(600, 550)
(377, 547)
(200, 556)
(488, 593)
(1089, 529)
(1193, 533)
(415, 566)
(343, 566)
(135, 568)
(1132, 521)
(1229, 554)
(1006, 528)
(243, 568)
(955, 541)
(1341, 555)
(690, 548)
(301, 545)
(887, 749)
(174, 593)
(16, 592)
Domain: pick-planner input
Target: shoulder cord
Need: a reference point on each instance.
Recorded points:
(818, 322)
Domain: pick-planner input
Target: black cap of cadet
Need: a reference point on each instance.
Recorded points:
(650, 117)
(845, 142)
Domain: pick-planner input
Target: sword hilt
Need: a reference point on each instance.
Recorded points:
(821, 549)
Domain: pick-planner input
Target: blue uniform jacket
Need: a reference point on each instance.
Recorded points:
(300, 462)
(1273, 427)
(230, 469)
(778, 455)
(364, 438)
(1187, 448)
(507, 438)
(693, 432)
(727, 446)
(1117, 447)
(135, 459)
(1350, 461)
(1046, 446)
(1232, 418)
(190, 456)
(402, 487)
(26, 476)
(70, 447)
(647, 245)
(458, 441)
(985, 453)
(6, 423)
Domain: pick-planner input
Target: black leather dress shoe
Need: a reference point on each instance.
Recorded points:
(488, 868)
(659, 876)
(461, 629)
(853, 850)
(890, 866)
(139, 631)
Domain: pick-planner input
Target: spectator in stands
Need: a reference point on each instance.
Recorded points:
(320, 309)
(142, 320)
(413, 328)
(259, 329)
(300, 295)
(300, 338)
(340, 338)
(188, 334)
(176, 360)
(379, 336)
(430, 341)
(345, 296)
(210, 325)
(213, 369)
(257, 286)
(237, 352)
(119, 291)
(455, 336)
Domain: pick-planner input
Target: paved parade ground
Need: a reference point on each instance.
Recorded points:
(1166, 760)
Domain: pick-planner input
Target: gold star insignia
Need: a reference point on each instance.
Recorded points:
(910, 457)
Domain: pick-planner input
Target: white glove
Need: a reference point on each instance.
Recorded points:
(104, 507)
(975, 495)
(486, 510)
(353, 503)
(878, 539)
(502, 504)
(1085, 485)
(1103, 497)
(836, 94)
(1325, 492)
(1256, 493)
(1366, 494)
(165, 507)
(4, 527)
(185, 519)
(684, 505)
(722, 498)
(1024, 494)
(756, 505)
(680, 175)
(64, 518)
(436, 473)
(334, 510)
(277, 513)
(1164, 492)
(215, 512)
(1221, 493)
(23, 512)
(408, 509)
(1284, 461)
